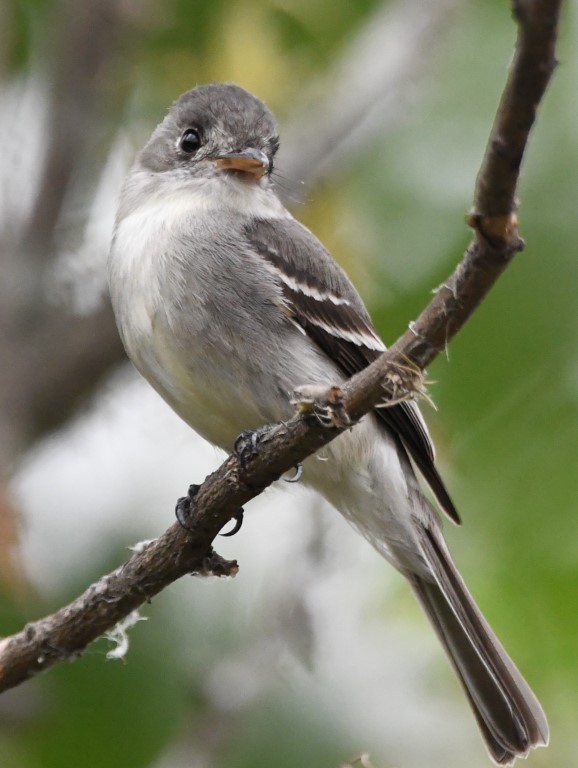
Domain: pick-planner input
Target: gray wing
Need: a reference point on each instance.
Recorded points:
(325, 304)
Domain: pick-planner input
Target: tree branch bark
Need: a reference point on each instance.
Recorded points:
(65, 634)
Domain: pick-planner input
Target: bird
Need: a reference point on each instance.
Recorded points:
(227, 304)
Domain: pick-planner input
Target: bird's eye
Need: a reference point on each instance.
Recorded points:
(190, 141)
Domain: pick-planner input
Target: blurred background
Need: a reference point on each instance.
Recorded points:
(316, 652)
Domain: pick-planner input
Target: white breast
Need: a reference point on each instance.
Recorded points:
(141, 248)
(144, 275)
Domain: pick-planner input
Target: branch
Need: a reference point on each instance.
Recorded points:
(90, 34)
(52, 360)
(178, 552)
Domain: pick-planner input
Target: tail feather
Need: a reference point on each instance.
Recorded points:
(509, 715)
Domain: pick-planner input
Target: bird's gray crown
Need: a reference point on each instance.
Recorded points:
(226, 118)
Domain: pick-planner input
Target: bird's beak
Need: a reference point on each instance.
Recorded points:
(250, 161)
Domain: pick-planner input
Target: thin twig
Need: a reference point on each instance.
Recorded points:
(177, 552)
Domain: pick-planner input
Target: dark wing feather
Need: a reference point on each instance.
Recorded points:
(334, 316)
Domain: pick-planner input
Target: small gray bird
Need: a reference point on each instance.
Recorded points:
(226, 305)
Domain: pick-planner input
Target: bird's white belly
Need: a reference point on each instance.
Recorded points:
(203, 397)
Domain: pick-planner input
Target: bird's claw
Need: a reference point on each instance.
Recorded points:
(298, 474)
(185, 507)
(238, 518)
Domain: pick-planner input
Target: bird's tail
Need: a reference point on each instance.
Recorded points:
(509, 715)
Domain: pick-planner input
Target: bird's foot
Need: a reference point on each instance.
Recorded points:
(247, 448)
(327, 406)
(185, 508)
(238, 518)
(247, 444)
